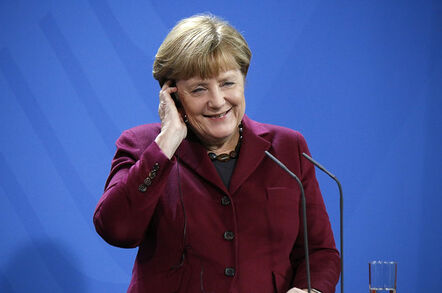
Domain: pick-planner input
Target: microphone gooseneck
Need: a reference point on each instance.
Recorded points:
(341, 211)
(304, 216)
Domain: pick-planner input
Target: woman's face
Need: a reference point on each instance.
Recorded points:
(214, 106)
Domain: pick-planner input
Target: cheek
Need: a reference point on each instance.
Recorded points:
(194, 114)
(192, 108)
(240, 101)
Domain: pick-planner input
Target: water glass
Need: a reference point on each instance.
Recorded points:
(382, 276)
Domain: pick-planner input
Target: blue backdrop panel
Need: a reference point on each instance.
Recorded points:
(362, 80)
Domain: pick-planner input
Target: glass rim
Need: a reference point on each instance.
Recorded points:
(382, 262)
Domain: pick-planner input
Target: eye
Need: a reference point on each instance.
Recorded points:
(197, 90)
(228, 83)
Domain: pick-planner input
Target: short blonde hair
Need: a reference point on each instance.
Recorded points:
(201, 45)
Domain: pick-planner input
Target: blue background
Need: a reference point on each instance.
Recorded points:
(361, 80)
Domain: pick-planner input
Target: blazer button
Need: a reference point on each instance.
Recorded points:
(142, 188)
(225, 200)
(152, 174)
(147, 181)
(229, 235)
(229, 272)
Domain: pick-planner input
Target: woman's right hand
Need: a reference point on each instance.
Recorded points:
(173, 128)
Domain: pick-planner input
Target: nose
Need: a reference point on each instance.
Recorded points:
(216, 99)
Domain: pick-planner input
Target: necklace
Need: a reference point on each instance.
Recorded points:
(232, 155)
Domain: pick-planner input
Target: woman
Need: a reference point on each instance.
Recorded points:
(196, 193)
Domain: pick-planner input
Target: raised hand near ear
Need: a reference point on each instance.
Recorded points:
(173, 128)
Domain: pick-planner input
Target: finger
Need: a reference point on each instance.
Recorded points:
(165, 93)
(168, 85)
(167, 104)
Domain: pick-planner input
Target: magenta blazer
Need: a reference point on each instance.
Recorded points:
(195, 235)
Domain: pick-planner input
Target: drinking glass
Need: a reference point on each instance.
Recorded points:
(382, 276)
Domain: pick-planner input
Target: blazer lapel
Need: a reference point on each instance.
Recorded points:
(194, 155)
(251, 153)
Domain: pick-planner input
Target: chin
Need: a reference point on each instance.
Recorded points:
(224, 133)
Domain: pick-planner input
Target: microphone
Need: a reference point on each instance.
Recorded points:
(341, 212)
(304, 216)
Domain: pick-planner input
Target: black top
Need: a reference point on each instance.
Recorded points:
(225, 170)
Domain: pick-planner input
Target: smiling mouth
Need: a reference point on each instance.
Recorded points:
(217, 116)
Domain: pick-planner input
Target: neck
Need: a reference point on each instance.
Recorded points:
(223, 147)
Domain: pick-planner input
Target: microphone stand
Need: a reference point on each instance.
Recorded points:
(304, 216)
(341, 210)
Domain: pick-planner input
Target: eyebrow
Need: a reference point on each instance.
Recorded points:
(228, 76)
(199, 83)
